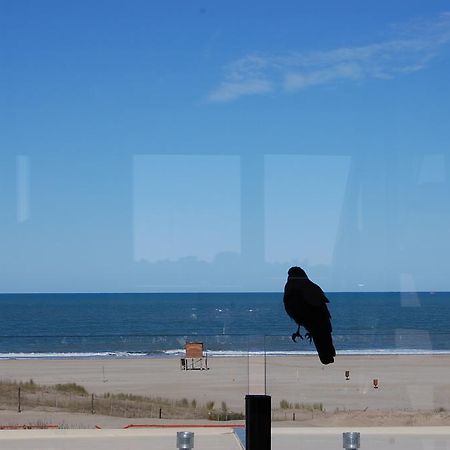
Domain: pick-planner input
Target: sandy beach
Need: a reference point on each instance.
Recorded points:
(412, 389)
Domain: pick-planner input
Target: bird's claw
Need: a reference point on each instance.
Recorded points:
(309, 337)
(296, 335)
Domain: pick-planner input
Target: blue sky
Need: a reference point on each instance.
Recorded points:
(198, 146)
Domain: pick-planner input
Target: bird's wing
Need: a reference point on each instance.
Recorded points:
(304, 301)
(314, 295)
(293, 302)
(289, 304)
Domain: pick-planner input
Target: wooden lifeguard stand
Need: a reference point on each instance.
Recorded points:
(195, 358)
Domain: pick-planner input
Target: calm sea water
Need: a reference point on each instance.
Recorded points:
(123, 325)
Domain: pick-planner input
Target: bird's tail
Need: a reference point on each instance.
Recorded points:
(324, 346)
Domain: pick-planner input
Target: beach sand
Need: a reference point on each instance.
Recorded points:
(412, 389)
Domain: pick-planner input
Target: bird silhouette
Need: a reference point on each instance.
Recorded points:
(306, 303)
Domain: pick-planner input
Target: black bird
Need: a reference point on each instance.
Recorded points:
(305, 302)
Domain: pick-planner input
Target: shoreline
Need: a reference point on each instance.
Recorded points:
(177, 353)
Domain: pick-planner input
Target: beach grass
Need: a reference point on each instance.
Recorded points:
(413, 390)
(72, 397)
(284, 404)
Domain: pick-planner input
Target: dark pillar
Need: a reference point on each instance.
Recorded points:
(257, 422)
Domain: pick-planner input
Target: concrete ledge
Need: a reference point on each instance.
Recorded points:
(372, 438)
(108, 439)
(319, 431)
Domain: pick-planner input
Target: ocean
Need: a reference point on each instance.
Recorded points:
(150, 325)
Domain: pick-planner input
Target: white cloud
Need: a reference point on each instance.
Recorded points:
(414, 46)
(302, 80)
(231, 90)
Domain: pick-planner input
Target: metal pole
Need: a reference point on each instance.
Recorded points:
(265, 367)
(185, 440)
(351, 440)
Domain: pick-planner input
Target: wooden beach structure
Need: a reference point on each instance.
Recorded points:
(195, 357)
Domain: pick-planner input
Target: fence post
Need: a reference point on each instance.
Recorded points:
(19, 408)
(92, 404)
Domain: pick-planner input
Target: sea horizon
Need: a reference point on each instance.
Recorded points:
(148, 325)
(424, 291)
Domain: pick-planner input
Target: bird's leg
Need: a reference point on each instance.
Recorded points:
(296, 335)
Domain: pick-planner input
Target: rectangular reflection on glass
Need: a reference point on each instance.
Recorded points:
(303, 201)
(185, 206)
